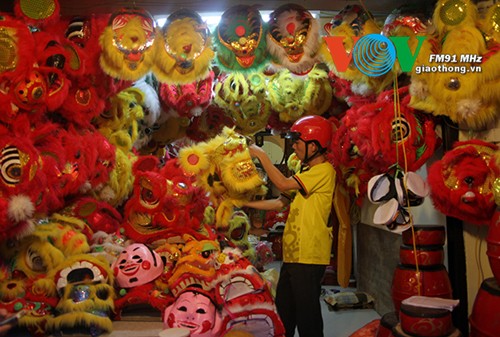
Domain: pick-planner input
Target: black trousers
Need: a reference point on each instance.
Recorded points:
(298, 299)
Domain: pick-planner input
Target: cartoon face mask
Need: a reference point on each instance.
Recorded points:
(195, 311)
(137, 265)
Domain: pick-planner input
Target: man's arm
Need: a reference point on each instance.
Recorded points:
(279, 180)
(269, 204)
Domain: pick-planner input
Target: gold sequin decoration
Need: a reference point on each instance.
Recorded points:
(496, 191)
(8, 51)
(453, 12)
(38, 10)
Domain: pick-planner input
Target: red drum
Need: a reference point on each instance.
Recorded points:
(425, 322)
(425, 255)
(398, 332)
(432, 281)
(387, 323)
(485, 317)
(425, 236)
(493, 245)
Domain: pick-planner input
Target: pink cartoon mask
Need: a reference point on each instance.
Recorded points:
(137, 265)
(194, 310)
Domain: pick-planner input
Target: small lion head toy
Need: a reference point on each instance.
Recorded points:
(223, 167)
(349, 25)
(165, 202)
(240, 41)
(84, 284)
(408, 137)
(127, 44)
(244, 100)
(467, 95)
(245, 297)
(462, 182)
(293, 38)
(184, 53)
(293, 96)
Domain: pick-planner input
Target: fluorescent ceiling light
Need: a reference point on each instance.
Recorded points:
(213, 18)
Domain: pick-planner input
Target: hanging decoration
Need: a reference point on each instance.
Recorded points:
(223, 167)
(239, 40)
(294, 96)
(351, 23)
(466, 90)
(38, 13)
(127, 44)
(184, 49)
(244, 99)
(462, 182)
(293, 39)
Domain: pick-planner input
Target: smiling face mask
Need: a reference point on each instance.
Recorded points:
(195, 311)
(137, 265)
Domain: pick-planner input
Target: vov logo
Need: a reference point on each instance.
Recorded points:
(373, 54)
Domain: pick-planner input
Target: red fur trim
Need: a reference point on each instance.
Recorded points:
(461, 182)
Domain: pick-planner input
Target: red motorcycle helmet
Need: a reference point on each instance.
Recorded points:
(312, 128)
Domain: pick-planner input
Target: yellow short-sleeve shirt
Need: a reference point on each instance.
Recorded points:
(307, 238)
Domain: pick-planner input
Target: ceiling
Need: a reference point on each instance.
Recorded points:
(164, 7)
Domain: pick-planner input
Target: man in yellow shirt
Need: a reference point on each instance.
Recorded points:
(307, 237)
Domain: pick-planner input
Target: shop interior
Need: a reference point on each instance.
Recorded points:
(97, 133)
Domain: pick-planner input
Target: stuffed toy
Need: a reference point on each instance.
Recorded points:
(84, 285)
(165, 202)
(466, 96)
(36, 257)
(117, 189)
(240, 41)
(24, 184)
(224, 168)
(263, 255)
(57, 62)
(37, 14)
(17, 294)
(209, 124)
(352, 23)
(187, 100)
(293, 96)
(194, 308)
(184, 49)
(127, 44)
(167, 132)
(293, 39)
(387, 132)
(195, 266)
(489, 26)
(151, 108)
(245, 297)
(354, 174)
(102, 160)
(91, 87)
(412, 23)
(244, 99)
(99, 216)
(70, 235)
(237, 234)
(19, 50)
(120, 123)
(461, 182)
